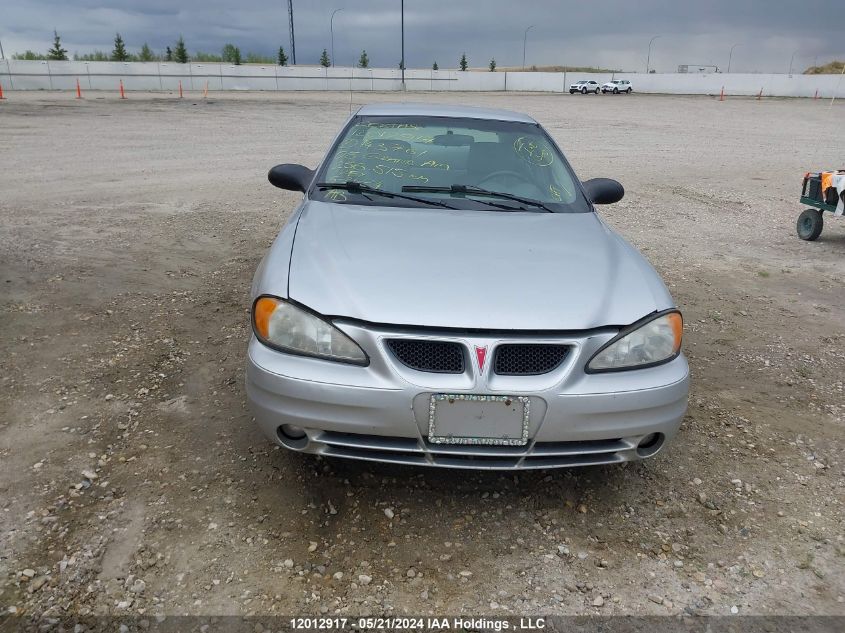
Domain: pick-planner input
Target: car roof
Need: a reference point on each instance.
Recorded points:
(451, 111)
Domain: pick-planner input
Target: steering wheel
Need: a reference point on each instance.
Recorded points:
(506, 172)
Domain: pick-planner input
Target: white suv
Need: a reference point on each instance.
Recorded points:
(584, 87)
(616, 86)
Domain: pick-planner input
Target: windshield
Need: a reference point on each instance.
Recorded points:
(421, 153)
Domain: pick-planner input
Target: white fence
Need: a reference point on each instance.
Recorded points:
(55, 75)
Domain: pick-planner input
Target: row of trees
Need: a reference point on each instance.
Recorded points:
(364, 61)
(463, 64)
(178, 53)
(230, 54)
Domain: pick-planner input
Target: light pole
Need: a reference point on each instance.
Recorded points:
(292, 37)
(331, 30)
(402, 61)
(730, 57)
(2, 56)
(524, 41)
(648, 59)
(791, 59)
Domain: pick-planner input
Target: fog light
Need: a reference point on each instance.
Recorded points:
(291, 432)
(292, 437)
(650, 444)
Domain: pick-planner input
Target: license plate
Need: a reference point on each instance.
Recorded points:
(471, 419)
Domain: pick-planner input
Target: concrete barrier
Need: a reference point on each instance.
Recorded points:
(5, 77)
(62, 75)
(26, 75)
(738, 84)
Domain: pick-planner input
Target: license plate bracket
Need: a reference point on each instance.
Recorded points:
(478, 419)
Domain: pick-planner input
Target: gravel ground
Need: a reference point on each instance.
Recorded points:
(133, 481)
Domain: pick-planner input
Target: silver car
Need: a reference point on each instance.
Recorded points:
(446, 295)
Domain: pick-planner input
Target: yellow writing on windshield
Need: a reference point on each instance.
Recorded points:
(532, 152)
(433, 164)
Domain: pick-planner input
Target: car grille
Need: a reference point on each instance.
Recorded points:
(432, 356)
(400, 450)
(528, 359)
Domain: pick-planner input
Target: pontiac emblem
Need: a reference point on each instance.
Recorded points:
(481, 355)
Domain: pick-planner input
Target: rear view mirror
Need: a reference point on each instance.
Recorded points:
(603, 190)
(291, 177)
(451, 139)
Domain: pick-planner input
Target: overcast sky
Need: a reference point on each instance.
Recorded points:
(608, 33)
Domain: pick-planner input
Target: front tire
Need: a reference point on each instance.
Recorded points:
(810, 224)
(616, 91)
(583, 91)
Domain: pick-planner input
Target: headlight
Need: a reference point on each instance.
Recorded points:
(651, 343)
(287, 328)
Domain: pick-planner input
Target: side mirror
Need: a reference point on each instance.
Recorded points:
(291, 177)
(603, 190)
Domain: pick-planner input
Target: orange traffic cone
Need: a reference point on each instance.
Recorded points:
(180, 88)
(1, 92)
(722, 94)
(78, 90)
(122, 93)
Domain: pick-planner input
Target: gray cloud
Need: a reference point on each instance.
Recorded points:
(609, 33)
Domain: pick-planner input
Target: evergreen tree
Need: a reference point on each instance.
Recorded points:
(463, 63)
(283, 59)
(492, 65)
(181, 53)
(434, 66)
(57, 52)
(363, 61)
(325, 62)
(168, 55)
(146, 54)
(119, 53)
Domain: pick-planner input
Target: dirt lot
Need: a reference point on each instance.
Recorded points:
(132, 479)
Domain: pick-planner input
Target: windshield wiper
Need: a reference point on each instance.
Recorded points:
(478, 191)
(357, 187)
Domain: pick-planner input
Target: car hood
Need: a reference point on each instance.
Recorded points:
(469, 269)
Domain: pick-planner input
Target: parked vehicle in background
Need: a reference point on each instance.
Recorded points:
(584, 87)
(616, 86)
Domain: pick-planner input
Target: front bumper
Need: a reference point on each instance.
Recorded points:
(380, 412)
